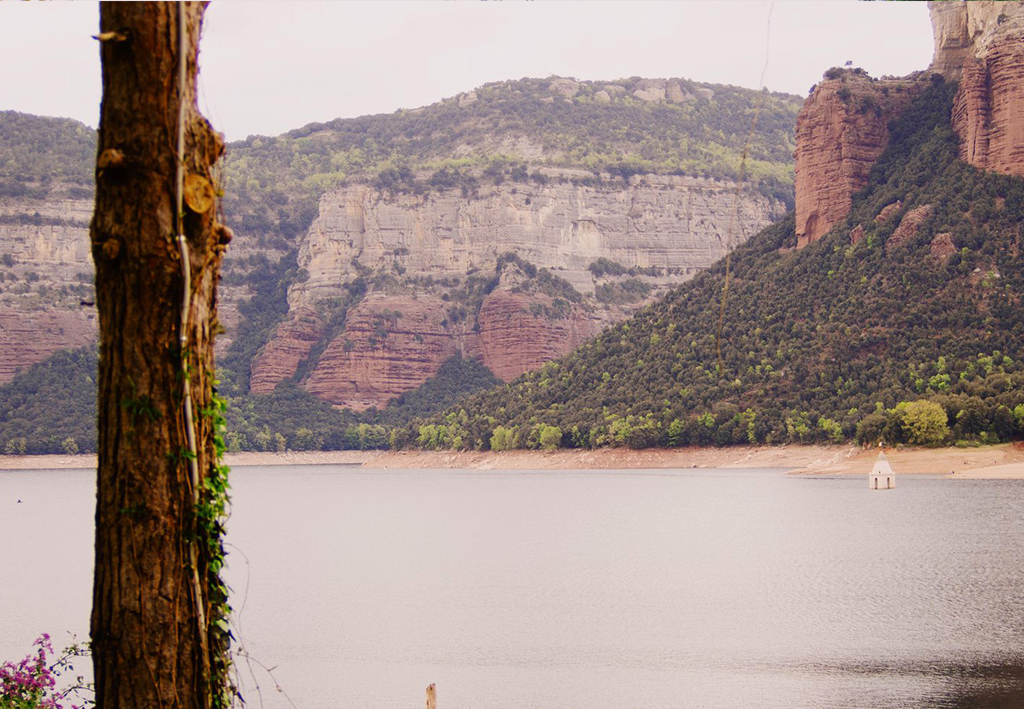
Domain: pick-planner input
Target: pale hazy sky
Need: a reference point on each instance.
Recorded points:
(271, 66)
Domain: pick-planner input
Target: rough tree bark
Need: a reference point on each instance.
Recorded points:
(147, 642)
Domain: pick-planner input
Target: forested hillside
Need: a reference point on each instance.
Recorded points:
(38, 153)
(904, 323)
(51, 407)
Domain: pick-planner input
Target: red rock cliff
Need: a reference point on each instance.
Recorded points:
(988, 112)
(291, 343)
(392, 343)
(389, 346)
(30, 337)
(840, 132)
(518, 332)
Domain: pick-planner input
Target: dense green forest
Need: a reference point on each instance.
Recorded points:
(36, 153)
(51, 406)
(878, 339)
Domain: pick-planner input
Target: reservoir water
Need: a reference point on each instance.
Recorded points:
(565, 589)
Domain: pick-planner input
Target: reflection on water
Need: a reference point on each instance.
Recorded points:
(980, 687)
(569, 589)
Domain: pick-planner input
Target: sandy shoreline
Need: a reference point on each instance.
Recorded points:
(989, 462)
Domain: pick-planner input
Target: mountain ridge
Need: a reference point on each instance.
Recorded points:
(834, 341)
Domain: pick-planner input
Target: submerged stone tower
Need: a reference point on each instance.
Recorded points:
(882, 476)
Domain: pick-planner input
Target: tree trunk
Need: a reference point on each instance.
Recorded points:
(149, 647)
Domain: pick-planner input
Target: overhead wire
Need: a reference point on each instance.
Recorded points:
(734, 212)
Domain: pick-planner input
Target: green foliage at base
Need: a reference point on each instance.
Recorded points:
(456, 379)
(289, 418)
(831, 342)
(51, 406)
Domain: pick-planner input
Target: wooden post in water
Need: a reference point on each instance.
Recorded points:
(431, 696)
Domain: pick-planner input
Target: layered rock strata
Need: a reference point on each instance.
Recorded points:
(280, 357)
(45, 280)
(513, 340)
(981, 44)
(989, 104)
(418, 251)
(46, 276)
(32, 336)
(392, 343)
(389, 346)
(678, 224)
(842, 128)
(971, 30)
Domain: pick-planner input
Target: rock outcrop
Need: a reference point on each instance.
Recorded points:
(27, 337)
(970, 30)
(46, 279)
(840, 132)
(942, 247)
(952, 37)
(986, 52)
(909, 226)
(280, 357)
(46, 290)
(389, 346)
(393, 343)
(521, 327)
(677, 224)
(514, 338)
(842, 128)
(857, 234)
(888, 211)
(416, 252)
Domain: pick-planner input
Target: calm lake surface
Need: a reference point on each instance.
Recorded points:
(568, 589)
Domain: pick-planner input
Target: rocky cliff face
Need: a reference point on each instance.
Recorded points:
(840, 132)
(416, 252)
(279, 359)
(516, 335)
(970, 30)
(390, 345)
(45, 280)
(393, 342)
(677, 224)
(982, 44)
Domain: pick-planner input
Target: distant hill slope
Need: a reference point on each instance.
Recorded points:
(38, 153)
(636, 174)
(903, 323)
(552, 139)
(626, 127)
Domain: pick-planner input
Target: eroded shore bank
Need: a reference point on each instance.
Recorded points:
(1001, 461)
